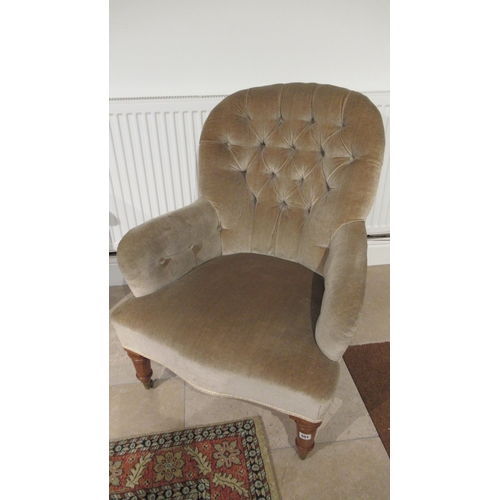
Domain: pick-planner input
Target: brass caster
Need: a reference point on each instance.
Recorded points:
(148, 385)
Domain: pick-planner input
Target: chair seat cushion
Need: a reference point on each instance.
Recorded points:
(239, 325)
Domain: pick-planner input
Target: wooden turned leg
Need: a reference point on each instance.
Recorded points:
(306, 433)
(143, 369)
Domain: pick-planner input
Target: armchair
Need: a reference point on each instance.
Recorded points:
(254, 290)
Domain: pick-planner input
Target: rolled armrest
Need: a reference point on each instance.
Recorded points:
(345, 280)
(165, 248)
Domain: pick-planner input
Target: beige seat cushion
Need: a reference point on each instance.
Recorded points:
(240, 325)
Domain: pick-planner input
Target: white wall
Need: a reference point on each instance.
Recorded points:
(199, 47)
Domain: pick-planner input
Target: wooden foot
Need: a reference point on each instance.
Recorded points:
(143, 369)
(306, 433)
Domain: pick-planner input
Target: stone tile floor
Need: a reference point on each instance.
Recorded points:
(348, 461)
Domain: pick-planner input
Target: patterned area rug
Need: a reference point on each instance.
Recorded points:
(226, 461)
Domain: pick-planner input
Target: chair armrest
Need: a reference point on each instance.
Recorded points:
(167, 247)
(345, 280)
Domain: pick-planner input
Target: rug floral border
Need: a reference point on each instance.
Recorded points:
(213, 472)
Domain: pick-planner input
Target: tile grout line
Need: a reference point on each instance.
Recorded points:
(329, 442)
(184, 403)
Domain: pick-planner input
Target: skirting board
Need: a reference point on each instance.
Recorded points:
(379, 252)
(378, 255)
(115, 276)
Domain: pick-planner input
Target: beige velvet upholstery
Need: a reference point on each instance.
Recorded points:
(254, 291)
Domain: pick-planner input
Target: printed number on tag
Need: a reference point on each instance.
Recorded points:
(304, 436)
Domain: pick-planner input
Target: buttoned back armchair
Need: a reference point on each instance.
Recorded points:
(254, 290)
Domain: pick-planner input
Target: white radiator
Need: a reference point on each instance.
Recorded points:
(154, 155)
(378, 220)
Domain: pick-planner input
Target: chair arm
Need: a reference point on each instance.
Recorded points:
(345, 280)
(167, 247)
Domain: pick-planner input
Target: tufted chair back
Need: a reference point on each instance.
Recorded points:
(286, 166)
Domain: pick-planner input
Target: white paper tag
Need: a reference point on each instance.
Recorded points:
(305, 436)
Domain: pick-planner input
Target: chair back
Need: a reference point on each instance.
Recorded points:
(287, 165)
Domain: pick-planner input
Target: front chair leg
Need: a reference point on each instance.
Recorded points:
(306, 433)
(143, 369)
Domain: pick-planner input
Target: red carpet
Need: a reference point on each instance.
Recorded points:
(369, 366)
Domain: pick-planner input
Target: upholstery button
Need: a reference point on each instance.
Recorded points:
(313, 120)
(164, 262)
(322, 152)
